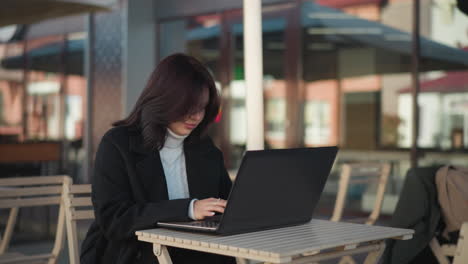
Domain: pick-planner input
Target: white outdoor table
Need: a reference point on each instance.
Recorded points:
(315, 241)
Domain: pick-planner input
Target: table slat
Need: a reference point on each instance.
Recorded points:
(287, 242)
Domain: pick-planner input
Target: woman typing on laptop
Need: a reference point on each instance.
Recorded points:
(155, 164)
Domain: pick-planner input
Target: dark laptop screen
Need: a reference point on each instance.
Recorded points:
(277, 188)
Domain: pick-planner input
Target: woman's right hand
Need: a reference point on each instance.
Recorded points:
(208, 207)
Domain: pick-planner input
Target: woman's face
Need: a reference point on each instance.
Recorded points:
(192, 120)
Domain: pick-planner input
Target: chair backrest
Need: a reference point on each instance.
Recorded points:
(458, 251)
(78, 206)
(359, 173)
(35, 191)
(452, 183)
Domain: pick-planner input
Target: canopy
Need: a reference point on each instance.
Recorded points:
(392, 46)
(31, 11)
(47, 58)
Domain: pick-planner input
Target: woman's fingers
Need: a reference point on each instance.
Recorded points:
(218, 201)
(207, 214)
(215, 208)
(212, 208)
(208, 207)
(214, 200)
(222, 203)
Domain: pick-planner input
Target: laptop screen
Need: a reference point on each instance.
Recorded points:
(277, 188)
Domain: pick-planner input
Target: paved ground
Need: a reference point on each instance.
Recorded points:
(38, 247)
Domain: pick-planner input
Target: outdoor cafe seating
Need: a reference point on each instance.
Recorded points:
(419, 208)
(361, 173)
(78, 206)
(75, 204)
(73, 200)
(21, 192)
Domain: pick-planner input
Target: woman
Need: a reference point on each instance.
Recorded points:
(157, 165)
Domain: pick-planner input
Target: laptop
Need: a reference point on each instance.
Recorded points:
(273, 188)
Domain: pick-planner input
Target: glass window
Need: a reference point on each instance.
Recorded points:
(10, 96)
(217, 41)
(317, 122)
(352, 62)
(54, 96)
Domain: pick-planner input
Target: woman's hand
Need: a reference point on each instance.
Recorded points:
(208, 207)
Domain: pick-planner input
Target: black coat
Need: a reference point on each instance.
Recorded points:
(129, 193)
(418, 209)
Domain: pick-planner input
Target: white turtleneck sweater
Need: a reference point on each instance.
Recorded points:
(173, 162)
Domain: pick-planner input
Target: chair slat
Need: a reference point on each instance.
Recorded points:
(29, 191)
(80, 188)
(461, 254)
(449, 250)
(36, 180)
(10, 255)
(369, 174)
(38, 191)
(73, 214)
(19, 258)
(80, 201)
(25, 202)
(366, 165)
(83, 214)
(360, 181)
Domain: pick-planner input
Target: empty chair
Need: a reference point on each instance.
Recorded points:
(359, 173)
(78, 206)
(19, 192)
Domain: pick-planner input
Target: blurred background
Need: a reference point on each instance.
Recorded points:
(336, 72)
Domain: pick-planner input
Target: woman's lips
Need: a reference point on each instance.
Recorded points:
(190, 126)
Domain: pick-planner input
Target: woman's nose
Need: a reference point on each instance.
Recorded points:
(196, 116)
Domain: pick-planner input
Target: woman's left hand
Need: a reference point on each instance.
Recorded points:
(208, 207)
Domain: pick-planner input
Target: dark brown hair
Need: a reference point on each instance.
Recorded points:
(173, 91)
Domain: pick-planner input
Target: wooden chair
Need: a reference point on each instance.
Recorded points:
(78, 206)
(458, 251)
(31, 192)
(358, 173)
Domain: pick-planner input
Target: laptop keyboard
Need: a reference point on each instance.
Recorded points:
(207, 224)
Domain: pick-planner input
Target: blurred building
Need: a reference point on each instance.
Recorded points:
(336, 72)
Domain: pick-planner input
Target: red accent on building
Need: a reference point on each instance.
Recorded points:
(346, 3)
(451, 83)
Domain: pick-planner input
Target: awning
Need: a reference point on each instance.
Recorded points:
(393, 47)
(452, 82)
(47, 58)
(345, 3)
(31, 11)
